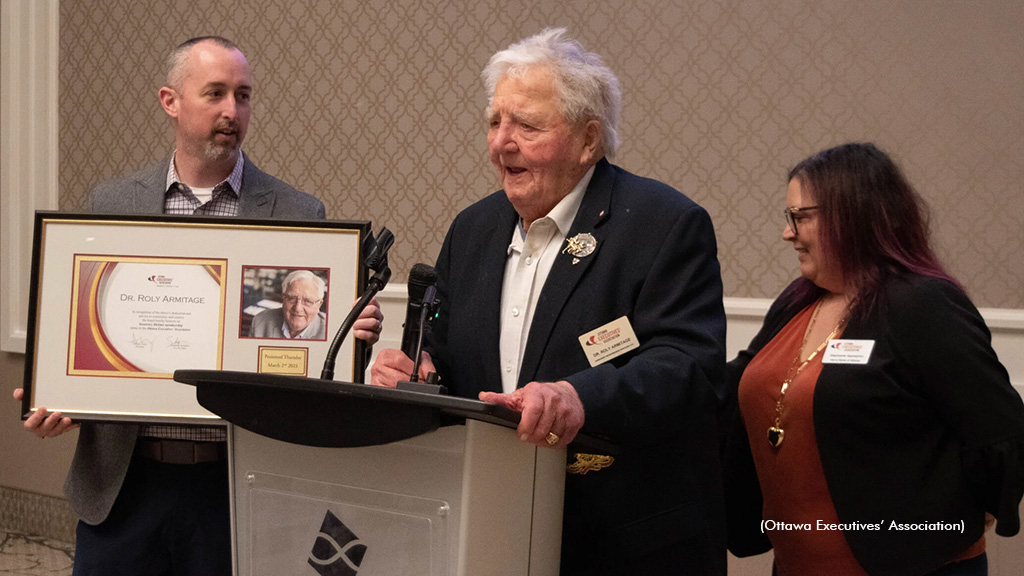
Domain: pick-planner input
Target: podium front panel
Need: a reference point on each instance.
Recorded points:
(457, 501)
(340, 528)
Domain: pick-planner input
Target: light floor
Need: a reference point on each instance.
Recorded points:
(23, 555)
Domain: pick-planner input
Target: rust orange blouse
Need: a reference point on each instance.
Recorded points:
(792, 480)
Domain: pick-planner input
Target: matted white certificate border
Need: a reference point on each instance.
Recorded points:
(332, 245)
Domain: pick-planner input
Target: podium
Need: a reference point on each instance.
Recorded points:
(334, 478)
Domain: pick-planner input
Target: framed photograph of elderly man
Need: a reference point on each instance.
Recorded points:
(284, 303)
(118, 303)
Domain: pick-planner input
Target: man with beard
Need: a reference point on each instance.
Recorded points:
(208, 97)
(154, 499)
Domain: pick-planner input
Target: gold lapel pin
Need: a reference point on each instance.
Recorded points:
(580, 246)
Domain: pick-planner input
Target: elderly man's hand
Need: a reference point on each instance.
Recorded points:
(368, 326)
(393, 366)
(548, 408)
(42, 423)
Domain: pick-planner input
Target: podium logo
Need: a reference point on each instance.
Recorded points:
(337, 551)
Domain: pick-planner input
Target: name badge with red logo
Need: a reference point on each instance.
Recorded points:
(840, 351)
(609, 341)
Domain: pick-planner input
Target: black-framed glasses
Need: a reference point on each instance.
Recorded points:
(293, 300)
(794, 215)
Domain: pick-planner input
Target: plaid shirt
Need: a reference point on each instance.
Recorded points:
(180, 200)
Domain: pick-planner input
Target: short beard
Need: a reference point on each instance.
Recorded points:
(214, 152)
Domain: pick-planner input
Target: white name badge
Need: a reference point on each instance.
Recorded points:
(609, 341)
(841, 351)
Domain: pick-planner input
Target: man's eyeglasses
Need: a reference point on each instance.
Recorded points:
(794, 215)
(292, 300)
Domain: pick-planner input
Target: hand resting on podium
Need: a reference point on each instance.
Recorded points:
(393, 366)
(552, 413)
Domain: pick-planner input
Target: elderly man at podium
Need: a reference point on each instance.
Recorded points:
(588, 298)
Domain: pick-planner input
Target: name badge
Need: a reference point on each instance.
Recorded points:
(841, 351)
(609, 341)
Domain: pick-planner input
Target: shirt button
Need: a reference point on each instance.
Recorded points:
(508, 367)
(515, 311)
(529, 260)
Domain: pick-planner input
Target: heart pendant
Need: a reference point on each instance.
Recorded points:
(775, 436)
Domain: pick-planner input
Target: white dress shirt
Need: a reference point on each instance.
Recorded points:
(530, 257)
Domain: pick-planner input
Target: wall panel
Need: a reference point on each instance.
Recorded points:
(377, 107)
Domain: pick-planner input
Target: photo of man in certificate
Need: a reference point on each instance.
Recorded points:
(301, 314)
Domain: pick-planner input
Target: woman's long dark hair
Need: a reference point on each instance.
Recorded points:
(871, 221)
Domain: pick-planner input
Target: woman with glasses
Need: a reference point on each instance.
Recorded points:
(876, 427)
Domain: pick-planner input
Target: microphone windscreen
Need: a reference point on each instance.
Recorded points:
(420, 277)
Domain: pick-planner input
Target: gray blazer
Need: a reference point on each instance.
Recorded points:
(105, 450)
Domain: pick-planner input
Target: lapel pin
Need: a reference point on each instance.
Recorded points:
(580, 246)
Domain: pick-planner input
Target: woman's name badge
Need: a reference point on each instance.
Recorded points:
(840, 351)
(609, 341)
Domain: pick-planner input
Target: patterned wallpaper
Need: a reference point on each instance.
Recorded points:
(377, 107)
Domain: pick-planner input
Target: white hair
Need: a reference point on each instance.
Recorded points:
(308, 276)
(587, 88)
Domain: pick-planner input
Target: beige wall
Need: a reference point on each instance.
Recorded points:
(376, 107)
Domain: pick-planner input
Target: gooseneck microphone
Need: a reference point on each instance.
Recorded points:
(376, 259)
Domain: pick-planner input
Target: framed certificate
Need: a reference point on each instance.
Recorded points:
(118, 303)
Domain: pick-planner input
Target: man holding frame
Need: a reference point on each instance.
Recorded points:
(154, 499)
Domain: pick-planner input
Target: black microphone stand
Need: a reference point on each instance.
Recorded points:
(431, 385)
(376, 260)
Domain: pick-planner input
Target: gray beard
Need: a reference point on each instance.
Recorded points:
(217, 152)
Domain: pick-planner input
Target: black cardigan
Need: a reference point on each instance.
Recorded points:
(929, 430)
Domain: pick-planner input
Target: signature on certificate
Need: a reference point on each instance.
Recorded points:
(177, 343)
(141, 342)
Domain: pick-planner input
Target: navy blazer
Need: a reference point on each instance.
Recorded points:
(656, 264)
(104, 451)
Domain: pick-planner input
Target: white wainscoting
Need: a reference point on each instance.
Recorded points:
(28, 148)
(745, 316)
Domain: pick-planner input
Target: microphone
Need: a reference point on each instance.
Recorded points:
(426, 310)
(421, 277)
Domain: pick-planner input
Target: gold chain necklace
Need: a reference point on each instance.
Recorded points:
(775, 433)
